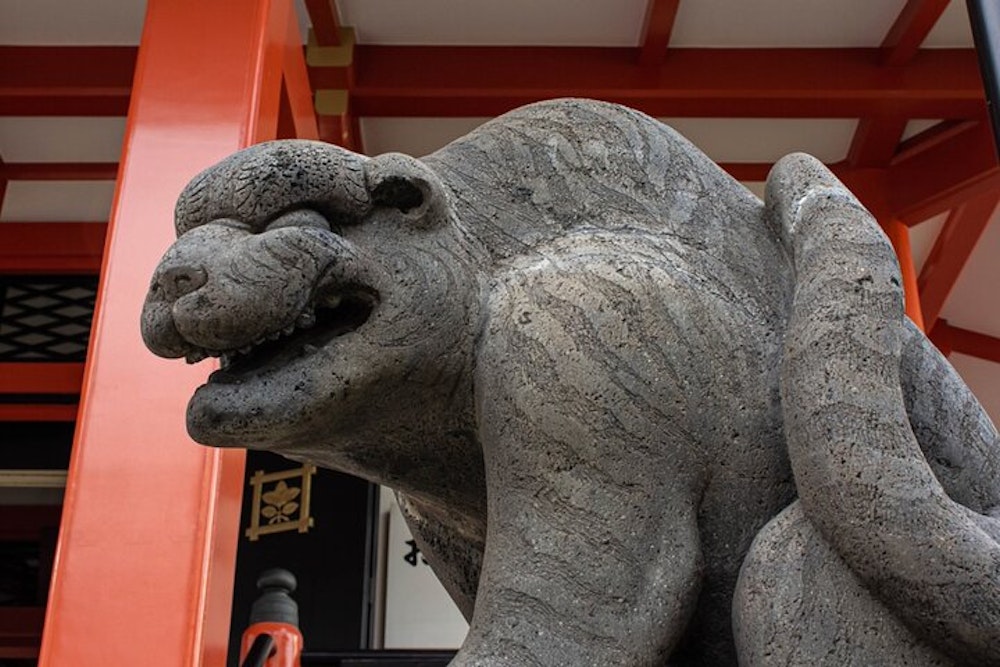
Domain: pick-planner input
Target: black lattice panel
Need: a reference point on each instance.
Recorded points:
(45, 318)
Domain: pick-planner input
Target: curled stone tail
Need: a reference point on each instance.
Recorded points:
(861, 475)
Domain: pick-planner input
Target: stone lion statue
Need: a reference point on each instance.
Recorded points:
(633, 414)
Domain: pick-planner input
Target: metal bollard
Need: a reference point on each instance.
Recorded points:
(273, 638)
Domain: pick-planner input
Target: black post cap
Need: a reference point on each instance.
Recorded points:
(274, 604)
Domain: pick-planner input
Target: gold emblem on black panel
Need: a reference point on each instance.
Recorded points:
(280, 501)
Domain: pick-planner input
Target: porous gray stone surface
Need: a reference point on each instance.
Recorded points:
(595, 368)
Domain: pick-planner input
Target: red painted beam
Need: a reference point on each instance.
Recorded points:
(66, 80)
(40, 378)
(325, 21)
(60, 171)
(876, 138)
(463, 81)
(51, 247)
(951, 251)
(944, 168)
(875, 141)
(296, 89)
(38, 412)
(778, 83)
(20, 632)
(207, 84)
(911, 28)
(656, 28)
(968, 342)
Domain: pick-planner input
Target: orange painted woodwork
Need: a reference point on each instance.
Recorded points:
(38, 412)
(483, 81)
(51, 247)
(144, 567)
(943, 170)
(40, 378)
(60, 171)
(297, 90)
(656, 28)
(875, 141)
(452, 81)
(325, 21)
(910, 30)
(287, 643)
(963, 341)
(66, 81)
(952, 249)
(899, 235)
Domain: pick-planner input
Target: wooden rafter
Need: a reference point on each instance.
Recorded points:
(51, 247)
(40, 378)
(325, 21)
(66, 80)
(914, 23)
(656, 28)
(876, 138)
(463, 81)
(790, 83)
(941, 169)
(950, 338)
(59, 171)
(953, 247)
(875, 141)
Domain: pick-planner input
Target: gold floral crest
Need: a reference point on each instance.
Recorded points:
(284, 506)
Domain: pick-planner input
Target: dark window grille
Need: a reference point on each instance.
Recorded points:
(46, 318)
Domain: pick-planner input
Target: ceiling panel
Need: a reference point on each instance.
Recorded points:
(766, 139)
(783, 23)
(981, 377)
(952, 29)
(55, 22)
(57, 201)
(413, 136)
(64, 139)
(922, 238)
(511, 22)
(972, 303)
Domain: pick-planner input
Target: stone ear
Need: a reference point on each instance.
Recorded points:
(404, 183)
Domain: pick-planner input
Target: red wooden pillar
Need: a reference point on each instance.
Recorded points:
(899, 234)
(144, 568)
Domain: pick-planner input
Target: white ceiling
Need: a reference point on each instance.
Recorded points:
(699, 23)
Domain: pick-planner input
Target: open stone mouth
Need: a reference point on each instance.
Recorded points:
(333, 316)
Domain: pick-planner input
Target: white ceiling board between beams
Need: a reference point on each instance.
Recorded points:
(57, 201)
(508, 23)
(952, 29)
(413, 136)
(80, 22)
(51, 139)
(783, 23)
(972, 303)
(981, 377)
(766, 139)
(922, 238)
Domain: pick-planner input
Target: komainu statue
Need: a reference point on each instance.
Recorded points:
(634, 416)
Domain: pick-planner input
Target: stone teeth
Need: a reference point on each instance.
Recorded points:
(225, 359)
(309, 348)
(306, 320)
(194, 356)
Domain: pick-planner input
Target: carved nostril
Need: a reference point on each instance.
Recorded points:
(180, 280)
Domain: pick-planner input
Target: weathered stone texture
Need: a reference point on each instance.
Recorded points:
(595, 368)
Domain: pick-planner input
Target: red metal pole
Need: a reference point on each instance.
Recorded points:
(144, 569)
